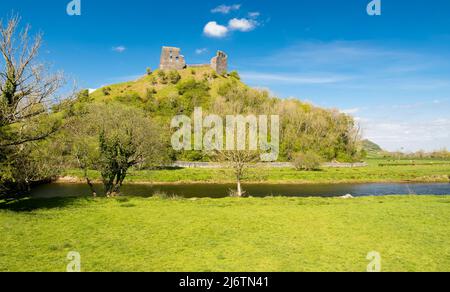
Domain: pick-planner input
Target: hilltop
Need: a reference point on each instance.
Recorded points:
(371, 148)
(160, 85)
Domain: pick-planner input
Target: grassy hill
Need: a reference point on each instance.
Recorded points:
(304, 127)
(371, 148)
(154, 86)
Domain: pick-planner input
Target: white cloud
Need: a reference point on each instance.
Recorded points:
(426, 135)
(92, 90)
(291, 78)
(242, 24)
(201, 51)
(119, 49)
(215, 30)
(225, 9)
(255, 14)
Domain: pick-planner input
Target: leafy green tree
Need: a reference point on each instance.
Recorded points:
(114, 138)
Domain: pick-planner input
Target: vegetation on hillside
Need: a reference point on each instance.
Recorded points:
(304, 127)
(371, 148)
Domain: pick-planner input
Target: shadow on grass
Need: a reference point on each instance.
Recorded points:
(32, 204)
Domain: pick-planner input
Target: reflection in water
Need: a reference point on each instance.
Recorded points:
(255, 190)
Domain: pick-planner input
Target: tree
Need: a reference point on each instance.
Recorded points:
(27, 90)
(238, 161)
(238, 158)
(113, 138)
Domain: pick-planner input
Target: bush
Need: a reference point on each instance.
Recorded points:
(106, 90)
(150, 93)
(307, 161)
(165, 196)
(162, 77)
(174, 77)
(235, 75)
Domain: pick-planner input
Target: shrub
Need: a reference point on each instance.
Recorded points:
(235, 75)
(174, 77)
(149, 71)
(153, 80)
(106, 90)
(165, 196)
(162, 77)
(308, 161)
(129, 97)
(150, 93)
(83, 96)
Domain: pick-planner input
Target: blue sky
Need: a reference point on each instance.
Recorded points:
(392, 72)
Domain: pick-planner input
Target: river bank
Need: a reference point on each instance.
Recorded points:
(373, 173)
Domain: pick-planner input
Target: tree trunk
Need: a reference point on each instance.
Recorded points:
(239, 188)
(91, 187)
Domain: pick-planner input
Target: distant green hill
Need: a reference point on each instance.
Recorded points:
(371, 147)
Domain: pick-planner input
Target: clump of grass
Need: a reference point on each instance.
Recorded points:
(128, 205)
(122, 199)
(234, 194)
(165, 196)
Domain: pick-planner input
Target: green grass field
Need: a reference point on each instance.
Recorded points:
(273, 234)
(426, 172)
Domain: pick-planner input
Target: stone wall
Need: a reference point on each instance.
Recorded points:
(171, 59)
(220, 63)
(215, 165)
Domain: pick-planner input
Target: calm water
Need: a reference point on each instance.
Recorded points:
(259, 190)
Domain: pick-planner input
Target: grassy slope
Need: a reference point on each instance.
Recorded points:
(272, 234)
(141, 85)
(372, 173)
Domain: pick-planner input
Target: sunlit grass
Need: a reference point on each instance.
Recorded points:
(372, 173)
(273, 234)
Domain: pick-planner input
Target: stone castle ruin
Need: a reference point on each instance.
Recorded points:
(171, 59)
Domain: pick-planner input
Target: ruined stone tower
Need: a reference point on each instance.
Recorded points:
(220, 62)
(171, 59)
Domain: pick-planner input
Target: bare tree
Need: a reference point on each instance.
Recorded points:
(238, 161)
(26, 87)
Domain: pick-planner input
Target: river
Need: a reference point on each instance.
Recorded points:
(255, 190)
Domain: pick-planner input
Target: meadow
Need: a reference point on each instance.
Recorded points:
(411, 233)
